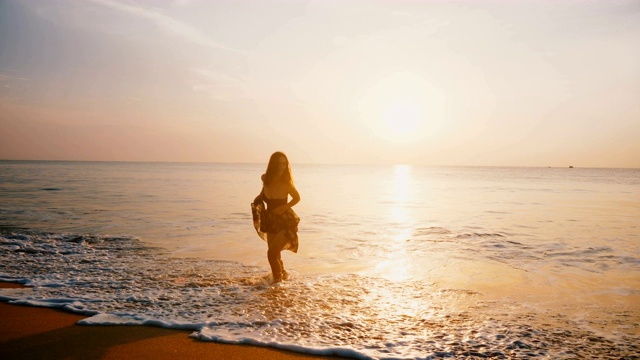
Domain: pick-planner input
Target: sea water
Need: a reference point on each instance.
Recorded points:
(394, 261)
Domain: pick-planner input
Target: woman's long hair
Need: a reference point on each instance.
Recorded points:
(272, 169)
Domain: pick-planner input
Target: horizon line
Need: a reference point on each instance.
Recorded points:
(317, 163)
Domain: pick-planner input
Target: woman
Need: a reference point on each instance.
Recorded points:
(278, 221)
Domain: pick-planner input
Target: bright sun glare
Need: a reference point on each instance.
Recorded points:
(402, 107)
(403, 117)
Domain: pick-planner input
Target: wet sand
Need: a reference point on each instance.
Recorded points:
(28, 332)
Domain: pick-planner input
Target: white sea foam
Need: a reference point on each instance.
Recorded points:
(119, 281)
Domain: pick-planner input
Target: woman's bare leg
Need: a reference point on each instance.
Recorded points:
(276, 244)
(285, 274)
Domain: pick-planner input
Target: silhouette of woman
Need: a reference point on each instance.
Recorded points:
(278, 223)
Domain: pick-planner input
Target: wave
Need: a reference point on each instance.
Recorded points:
(120, 280)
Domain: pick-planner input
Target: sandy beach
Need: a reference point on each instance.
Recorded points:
(41, 333)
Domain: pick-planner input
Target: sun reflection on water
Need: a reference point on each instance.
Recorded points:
(398, 264)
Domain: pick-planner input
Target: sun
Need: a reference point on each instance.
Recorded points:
(403, 118)
(402, 108)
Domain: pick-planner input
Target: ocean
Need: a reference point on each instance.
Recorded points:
(395, 262)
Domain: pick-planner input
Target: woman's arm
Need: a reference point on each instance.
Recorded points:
(295, 196)
(260, 197)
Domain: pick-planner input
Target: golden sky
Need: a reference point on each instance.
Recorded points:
(496, 83)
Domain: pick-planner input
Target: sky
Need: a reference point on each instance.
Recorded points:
(472, 83)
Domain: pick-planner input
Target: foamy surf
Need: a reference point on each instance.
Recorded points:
(116, 280)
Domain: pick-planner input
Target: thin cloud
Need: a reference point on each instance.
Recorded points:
(166, 23)
(5, 77)
(220, 86)
(10, 83)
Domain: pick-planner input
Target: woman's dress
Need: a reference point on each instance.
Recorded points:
(265, 221)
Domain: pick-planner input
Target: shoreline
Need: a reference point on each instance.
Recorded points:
(30, 332)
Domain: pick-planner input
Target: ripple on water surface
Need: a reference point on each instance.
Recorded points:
(118, 280)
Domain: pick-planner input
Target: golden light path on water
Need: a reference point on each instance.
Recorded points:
(406, 258)
(399, 265)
